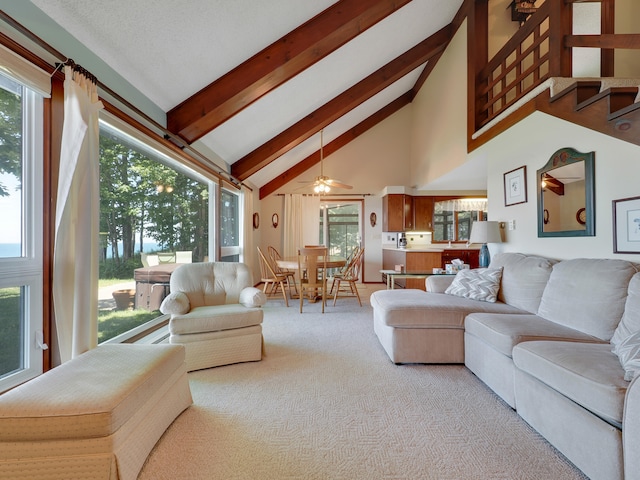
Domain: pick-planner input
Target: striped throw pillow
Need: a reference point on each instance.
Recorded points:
(480, 284)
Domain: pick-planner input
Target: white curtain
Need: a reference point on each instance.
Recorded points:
(248, 245)
(301, 222)
(75, 258)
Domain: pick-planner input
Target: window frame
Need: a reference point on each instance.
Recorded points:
(27, 270)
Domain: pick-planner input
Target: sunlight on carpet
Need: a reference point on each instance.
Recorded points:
(326, 403)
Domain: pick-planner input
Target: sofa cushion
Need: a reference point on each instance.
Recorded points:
(628, 352)
(480, 284)
(505, 331)
(524, 278)
(90, 396)
(587, 373)
(630, 322)
(218, 317)
(419, 309)
(587, 294)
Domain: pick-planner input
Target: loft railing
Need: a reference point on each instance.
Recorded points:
(539, 50)
(519, 67)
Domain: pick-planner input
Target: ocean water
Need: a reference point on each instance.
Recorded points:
(12, 250)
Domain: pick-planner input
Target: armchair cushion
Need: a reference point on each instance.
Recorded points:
(252, 297)
(175, 303)
(215, 318)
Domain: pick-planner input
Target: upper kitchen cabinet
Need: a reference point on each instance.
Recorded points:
(397, 212)
(423, 214)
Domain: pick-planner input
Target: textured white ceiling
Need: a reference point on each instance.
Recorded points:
(170, 49)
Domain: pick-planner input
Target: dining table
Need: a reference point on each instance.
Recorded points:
(291, 263)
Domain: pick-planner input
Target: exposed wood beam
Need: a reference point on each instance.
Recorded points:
(343, 103)
(277, 63)
(335, 145)
(618, 40)
(431, 64)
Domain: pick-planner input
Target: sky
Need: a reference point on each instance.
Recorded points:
(10, 211)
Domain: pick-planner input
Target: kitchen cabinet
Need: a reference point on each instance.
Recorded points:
(423, 214)
(397, 212)
(413, 262)
(469, 256)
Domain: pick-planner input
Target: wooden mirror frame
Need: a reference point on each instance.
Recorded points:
(567, 156)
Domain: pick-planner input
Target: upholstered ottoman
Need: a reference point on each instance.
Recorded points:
(95, 417)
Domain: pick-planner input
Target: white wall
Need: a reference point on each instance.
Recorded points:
(531, 143)
(438, 130)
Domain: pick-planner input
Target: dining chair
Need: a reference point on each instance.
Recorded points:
(274, 255)
(343, 270)
(350, 277)
(313, 262)
(270, 278)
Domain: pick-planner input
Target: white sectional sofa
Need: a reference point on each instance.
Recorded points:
(546, 347)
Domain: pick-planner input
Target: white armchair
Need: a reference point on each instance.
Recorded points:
(216, 313)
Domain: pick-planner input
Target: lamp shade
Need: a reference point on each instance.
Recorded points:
(485, 232)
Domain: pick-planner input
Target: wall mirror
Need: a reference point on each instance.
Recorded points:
(566, 195)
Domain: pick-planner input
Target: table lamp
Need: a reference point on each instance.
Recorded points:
(485, 232)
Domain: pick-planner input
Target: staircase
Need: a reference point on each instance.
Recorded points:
(599, 105)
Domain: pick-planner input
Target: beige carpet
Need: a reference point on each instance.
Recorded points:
(326, 403)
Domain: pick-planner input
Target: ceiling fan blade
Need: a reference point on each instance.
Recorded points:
(337, 184)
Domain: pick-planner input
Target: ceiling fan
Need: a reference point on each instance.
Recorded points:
(322, 183)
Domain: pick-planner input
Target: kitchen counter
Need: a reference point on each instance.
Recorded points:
(434, 248)
(426, 258)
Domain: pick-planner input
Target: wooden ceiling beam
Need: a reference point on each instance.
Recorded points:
(335, 145)
(340, 105)
(277, 63)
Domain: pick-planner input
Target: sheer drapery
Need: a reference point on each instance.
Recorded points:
(75, 259)
(301, 222)
(461, 205)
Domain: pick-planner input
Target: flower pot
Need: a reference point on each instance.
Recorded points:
(124, 298)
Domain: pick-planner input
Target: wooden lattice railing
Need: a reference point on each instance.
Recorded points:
(519, 67)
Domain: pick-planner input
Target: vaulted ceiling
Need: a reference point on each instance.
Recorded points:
(256, 81)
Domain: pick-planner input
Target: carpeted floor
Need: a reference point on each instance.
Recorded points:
(326, 403)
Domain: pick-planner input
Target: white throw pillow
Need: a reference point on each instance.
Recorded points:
(629, 354)
(175, 303)
(252, 297)
(481, 284)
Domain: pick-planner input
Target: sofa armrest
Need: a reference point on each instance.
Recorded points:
(631, 430)
(438, 283)
(175, 303)
(252, 297)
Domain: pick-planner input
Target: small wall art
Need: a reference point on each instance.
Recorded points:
(626, 225)
(515, 186)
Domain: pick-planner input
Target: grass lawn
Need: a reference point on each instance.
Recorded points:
(10, 331)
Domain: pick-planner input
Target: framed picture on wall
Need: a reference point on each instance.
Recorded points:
(515, 186)
(626, 225)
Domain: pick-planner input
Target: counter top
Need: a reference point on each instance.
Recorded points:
(432, 249)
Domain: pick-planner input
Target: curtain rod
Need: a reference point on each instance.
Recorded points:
(327, 194)
(168, 135)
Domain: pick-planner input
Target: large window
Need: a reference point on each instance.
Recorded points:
(230, 224)
(153, 211)
(21, 133)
